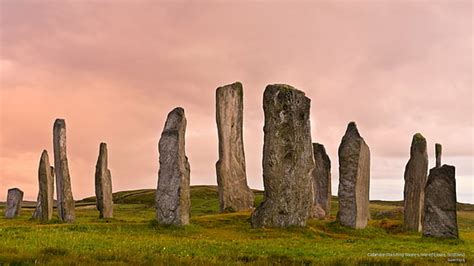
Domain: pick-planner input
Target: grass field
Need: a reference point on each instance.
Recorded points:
(133, 237)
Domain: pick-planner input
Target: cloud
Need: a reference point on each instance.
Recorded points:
(114, 71)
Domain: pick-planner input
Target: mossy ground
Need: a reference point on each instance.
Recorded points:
(133, 237)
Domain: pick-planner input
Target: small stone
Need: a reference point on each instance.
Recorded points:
(440, 218)
(234, 193)
(63, 180)
(288, 160)
(354, 179)
(438, 152)
(44, 203)
(321, 182)
(416, 171)
(173, 202)
(103, 185)
(14, 201)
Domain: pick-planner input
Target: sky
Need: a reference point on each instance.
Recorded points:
(113, 71)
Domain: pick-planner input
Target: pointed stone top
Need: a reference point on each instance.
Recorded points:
(59, 121)
(319, 147)
(44, 154)
(175, 119)
(418, 136)
(15, 189)
(103, 145)
(352, 130)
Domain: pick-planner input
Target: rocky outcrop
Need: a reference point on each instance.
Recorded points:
(354, 179)
(14, 201)
(287, 159)
(321, 182)
(44, 203)
(173, 201)
(63, 180)
(103, 184)
(415, 178)
(234, 194)
(440, 218)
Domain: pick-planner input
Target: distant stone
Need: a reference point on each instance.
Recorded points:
(438, 153)
(14, 201)
(354, 179)
(440, 219)
(63, 180)
(44, 203)
(103, 185)
(173, 201)
(395, 213)
(234, 193)
(321, 182)
(416, 171)
(287, 159)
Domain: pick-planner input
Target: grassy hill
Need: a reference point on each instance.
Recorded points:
(134, 237)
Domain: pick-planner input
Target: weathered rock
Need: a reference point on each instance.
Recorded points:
(173, 201)
(234, 194)
(63, 180)
(415, 179)
(44, 203)
(14, 201)
(438, 153)
(440, 218)
(103, 185)
(354, 179)
(287, 159)
(321, 182)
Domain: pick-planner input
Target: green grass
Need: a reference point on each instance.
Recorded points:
(134, 237)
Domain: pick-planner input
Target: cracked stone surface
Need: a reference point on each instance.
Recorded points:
(65, 199)
(416, 171)
(354, 179)
(288, 160)
(173, 201)
(234, 193)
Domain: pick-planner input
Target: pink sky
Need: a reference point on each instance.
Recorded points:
(115, 70)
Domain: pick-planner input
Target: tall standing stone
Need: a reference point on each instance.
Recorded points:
(103, 184)
(173, 201)
(440, 219)
(438, 152)
(354, 179)
(44, 203)
(63, 180)
(234, 194)
(416, 171)
(321, 182)
(14, 201)
(287, 159)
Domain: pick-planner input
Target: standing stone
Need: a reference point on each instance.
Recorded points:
(438, 152)
(44, 203)
(103, 185)
(14, 201)
(173, 202)
(63, 180)
(288, 160)
(415, 179)
(354, 179)
(234, 194)
(440, 203)
(321, 182)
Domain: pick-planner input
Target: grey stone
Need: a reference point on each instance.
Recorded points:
(288, 160)
(440, 219)
(354, 179)
(63, 180)
(14, 201)
(416, 171)
(321, 182)
(44, 203)
(173, 201)
(103, 184)
(438, 153)
(234, 193)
